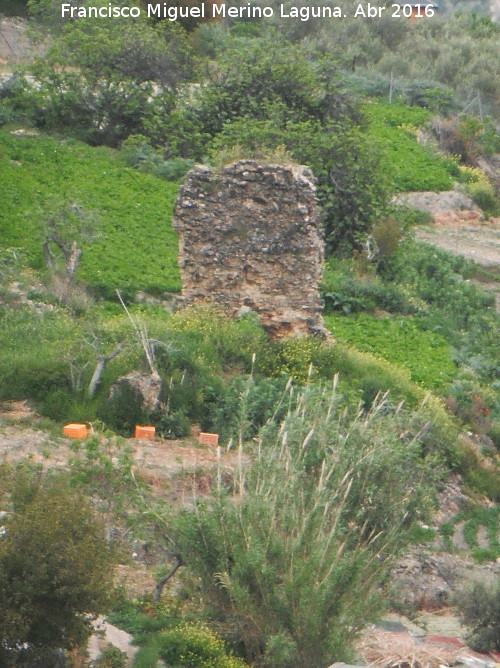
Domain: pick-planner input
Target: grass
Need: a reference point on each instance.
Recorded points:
(136, 248)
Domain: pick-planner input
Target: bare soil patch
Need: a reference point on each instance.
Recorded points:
(480, 242)
(15, 43)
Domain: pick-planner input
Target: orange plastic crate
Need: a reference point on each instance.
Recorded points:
(144, 432)
(205, 438)
(76, 430)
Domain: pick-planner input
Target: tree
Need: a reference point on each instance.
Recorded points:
(256, 75)
(55, 565)
(103, 80)
(351, 190)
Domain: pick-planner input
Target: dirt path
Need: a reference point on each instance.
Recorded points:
(156, 460)
(480, 243)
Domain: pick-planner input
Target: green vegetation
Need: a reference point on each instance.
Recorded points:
(473, 519)
(49, 584)
(136, 247)
(410, 165)
(294, 566)
(427, 355)
(480, 610)
(162, 632)
(339, 446)
(14, 8)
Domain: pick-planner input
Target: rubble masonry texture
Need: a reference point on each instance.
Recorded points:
(251, 240)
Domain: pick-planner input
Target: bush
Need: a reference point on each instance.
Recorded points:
(170, 425)
(479, 607)
(351, 191)
(50, 584)
(95, 82)
(471, 402)
(293, 567)
(467, 462)
(345, 292)
(484, 196)
(112, 657)
(195, 646)
(123, 411)
(244, 406)
(138, 152)
(494, 433)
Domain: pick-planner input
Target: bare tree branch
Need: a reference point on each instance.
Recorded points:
(158, 590)
(102, 360)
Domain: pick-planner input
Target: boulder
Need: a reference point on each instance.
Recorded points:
(147, 386)
(446, 208)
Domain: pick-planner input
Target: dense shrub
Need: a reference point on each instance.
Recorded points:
(257, 75)
(244, 406)
(96, 81)
(480, 610)
(112, 657)
(352, 191)
(195, 646)
(50, 585)
(293, 566)
(138, 152)
(484, 196)
(343, 291)
(123, 411)
(471, 402)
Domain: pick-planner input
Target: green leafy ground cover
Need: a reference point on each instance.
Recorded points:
(427, 355)
(408, 164)
(136, 247)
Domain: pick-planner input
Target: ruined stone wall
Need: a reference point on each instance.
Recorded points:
(250, 239)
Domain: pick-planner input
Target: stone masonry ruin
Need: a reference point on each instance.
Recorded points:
(251, 240)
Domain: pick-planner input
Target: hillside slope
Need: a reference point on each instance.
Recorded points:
(135, 245)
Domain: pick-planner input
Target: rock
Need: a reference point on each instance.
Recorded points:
(15, 44)
(421, 581)
(106, 634)
(24, 133)
(446, 208)
(251, 240)
(147, 386)
(451, 499)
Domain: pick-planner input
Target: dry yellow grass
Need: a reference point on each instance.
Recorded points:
(385, 649)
